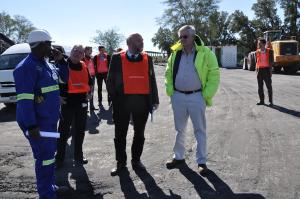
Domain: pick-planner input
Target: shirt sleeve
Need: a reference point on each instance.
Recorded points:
(25, 80)
(63, 73)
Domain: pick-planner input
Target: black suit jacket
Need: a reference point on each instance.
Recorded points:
(115, 85)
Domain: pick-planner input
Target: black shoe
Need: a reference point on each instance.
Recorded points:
(58, 164)
(81, 161)
(271, 104)
(202, 169)
(174, 163)
(260, 103)
(117, 170)
(137, 165)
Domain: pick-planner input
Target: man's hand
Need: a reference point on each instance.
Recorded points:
(34, 133)
(155, 107)
(57, 55)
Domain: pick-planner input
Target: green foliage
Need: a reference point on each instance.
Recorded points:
(241, 25)
(291, 10)
(219, 28)
(110, 38)
(16, 28)
(266, 15)
(163, 39)
(195, 12)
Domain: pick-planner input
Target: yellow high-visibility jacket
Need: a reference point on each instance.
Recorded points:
(206, 65)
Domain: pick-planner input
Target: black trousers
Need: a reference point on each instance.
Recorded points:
(123, 107)
(92, 91)
(76, 116)
(101, 77)
(264, 75)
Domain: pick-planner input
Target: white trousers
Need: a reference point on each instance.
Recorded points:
(193, 106)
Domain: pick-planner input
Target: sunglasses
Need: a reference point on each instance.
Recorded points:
(183, 37)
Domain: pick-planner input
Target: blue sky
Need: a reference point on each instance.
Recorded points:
(75, 22)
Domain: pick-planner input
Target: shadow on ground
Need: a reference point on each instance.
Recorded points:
(8, 113)
(153, 190)
(82, 186)
(106, 114)
(286, 110)
(221, 189)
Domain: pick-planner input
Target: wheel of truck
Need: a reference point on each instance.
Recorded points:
(277, 69)
(245, 64)
(291, 69)
(251, 61)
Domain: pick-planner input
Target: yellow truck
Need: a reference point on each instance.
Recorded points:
(286, 52)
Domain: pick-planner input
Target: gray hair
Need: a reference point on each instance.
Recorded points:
(190, 28)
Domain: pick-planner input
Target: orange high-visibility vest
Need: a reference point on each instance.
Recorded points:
(262, 59)
(90, 65)
(79, 80)
(135, 75)
(102, 64)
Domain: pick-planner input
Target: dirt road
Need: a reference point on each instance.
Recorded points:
(253, 150)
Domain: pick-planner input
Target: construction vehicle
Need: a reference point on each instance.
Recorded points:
(286, 52)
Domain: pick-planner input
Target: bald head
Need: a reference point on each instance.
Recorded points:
(135, 43)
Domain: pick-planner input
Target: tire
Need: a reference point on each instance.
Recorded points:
(277, 69)
(245, 64)
(251, 61)
(291, 69)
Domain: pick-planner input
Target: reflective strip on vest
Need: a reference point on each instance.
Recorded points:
(48, 162)
(50, 88)
(25, 96)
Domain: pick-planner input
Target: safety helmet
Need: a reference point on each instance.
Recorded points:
(38, 35)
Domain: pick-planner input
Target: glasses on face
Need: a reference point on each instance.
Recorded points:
(183, 36)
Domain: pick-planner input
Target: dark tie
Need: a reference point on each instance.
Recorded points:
(133, 57)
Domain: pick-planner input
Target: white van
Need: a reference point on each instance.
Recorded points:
(9, 59)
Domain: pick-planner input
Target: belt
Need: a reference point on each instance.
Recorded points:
(189, 92)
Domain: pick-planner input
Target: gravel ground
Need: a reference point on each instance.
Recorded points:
(253, 151)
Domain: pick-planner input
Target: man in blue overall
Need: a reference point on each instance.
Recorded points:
(38, 106)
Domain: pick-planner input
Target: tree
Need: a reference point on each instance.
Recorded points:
(110, 38)
(193, 12)
(266, 17)
(219, 32)
(292, 16)
(163, 39)
(22, 28)
(6, 24)
(245, 28)
(16, 28)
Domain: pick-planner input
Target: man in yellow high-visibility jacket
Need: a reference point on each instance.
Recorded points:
(192, 79)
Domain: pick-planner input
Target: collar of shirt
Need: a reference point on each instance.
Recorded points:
(131, 54)
(263, 51)
(192, 52)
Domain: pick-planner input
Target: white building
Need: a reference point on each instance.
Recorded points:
(226, 55)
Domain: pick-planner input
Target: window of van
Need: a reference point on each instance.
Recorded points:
(10, 61)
